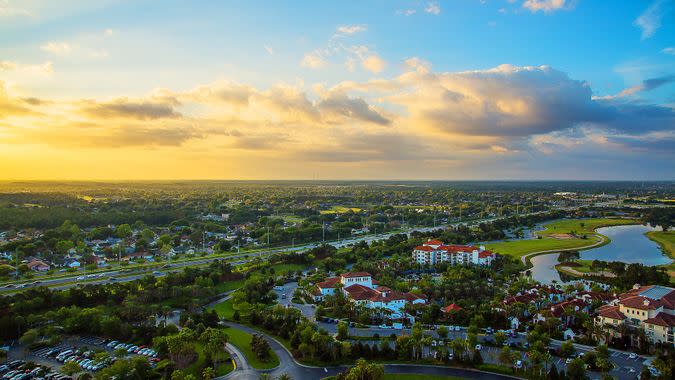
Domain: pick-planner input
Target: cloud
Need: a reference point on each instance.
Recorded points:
(125, 108)
(269, 50)
(351, 108)
(406, 12)
(544, 5)
(10, 106)
(313, 60)
(433, 8)
(59, 48)
(668, 50)
(650, 20)
(46, 68)
(8, 10)
(373, 63)
(350, 29)
(646, 85)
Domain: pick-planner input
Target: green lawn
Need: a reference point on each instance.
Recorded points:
(518, 248)
(283, 268)
(667, 242)
(226, 309)
(242, 340)
(582, 226)
(229, 285)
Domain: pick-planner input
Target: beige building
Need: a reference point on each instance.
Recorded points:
(651, 308)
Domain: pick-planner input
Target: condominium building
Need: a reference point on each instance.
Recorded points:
(435, 251)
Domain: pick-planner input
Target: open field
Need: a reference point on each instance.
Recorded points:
(582, 226)
(553, 237)
(242, 340)
(340, 210)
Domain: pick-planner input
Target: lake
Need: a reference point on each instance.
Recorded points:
(628, 244)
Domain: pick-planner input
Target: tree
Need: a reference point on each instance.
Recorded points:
(442, 332)
(208, 373)
(500, 338)
(214, 341)
(260, 347)
(29, 337)
(567, 349)
(506, 356)
(363, 370)
(342, 330)
(576, 370)
(71, 368)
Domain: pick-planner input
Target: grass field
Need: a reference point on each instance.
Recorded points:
(226, 309)
(582, 226)
(519, 248)
(340, 210)
(242, 340)
(667, 242)
(283, 268)
(229, 285)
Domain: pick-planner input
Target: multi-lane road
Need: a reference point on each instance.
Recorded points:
(131, 274)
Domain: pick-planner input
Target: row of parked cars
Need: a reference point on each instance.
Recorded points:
(132, 348)
(83, 359)
(20, 370)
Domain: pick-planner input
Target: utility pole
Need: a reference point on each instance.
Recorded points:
(268, 236)
(323, 231)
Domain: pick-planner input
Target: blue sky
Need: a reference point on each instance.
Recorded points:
(535, 85)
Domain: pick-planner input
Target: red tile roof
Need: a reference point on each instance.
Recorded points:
(329, 282)
(640, 302)
(451, 308)
(611, 312)
(355, 274)
(662, 319)
(359, 292)
(423, 248)
(433, 242)
(484, 254)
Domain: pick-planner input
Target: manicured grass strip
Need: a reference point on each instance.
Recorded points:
(242, 340)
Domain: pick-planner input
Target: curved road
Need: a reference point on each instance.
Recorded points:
(288, 365)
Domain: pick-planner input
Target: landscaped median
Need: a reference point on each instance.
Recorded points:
(242, 340)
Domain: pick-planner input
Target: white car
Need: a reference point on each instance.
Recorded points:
(479, 347)
(632, 355)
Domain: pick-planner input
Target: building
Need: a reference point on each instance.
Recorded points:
(651, 308)
(38, 266)
(360, 288)
(435, 251)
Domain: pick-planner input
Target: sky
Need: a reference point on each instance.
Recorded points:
(381, 89)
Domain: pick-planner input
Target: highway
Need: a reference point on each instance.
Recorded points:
(129, 274)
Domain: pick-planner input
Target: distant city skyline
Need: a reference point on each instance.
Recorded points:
(382, 90)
